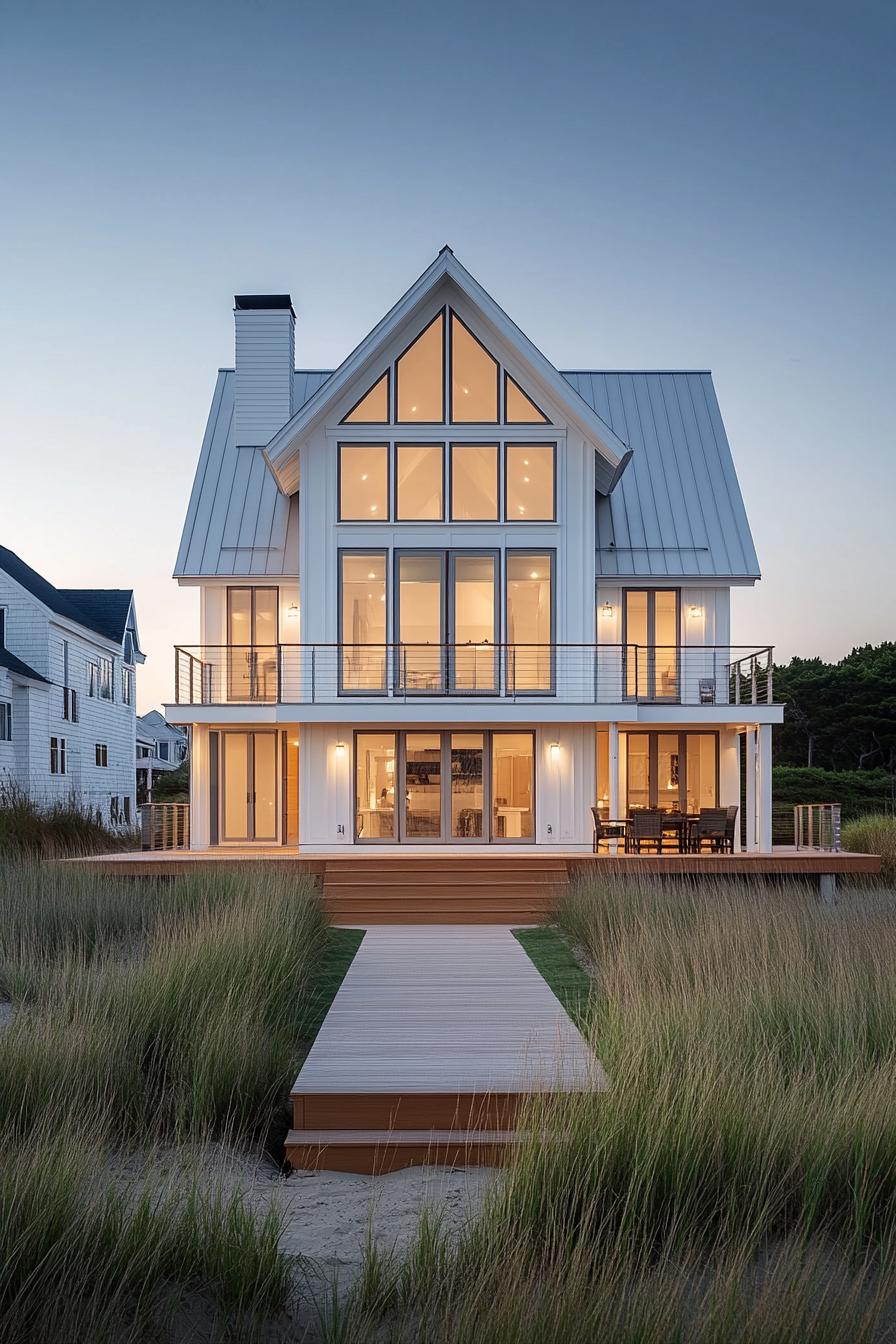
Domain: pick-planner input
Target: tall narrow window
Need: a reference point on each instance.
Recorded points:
(363, 482)
(513, 786)
(474, 378)
(530, 483)
(57, 756)
(423, 786)
(252, 637)
(467, 757)
(518, 408)
(375, 765)
(651, 638)
(5, 721)
(362, 598)
(419, 470)
(472, 633)
(529, 621)
(421, 622)
(373, 408)
(420, 377)
(474, 482)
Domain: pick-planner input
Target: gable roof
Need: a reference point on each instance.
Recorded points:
(282, 451)
(102, 610)
(18, 668)
(678, 501)
(678, 511)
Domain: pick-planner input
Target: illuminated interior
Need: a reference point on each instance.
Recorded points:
(373, 408)
(420, 377)
(518, 408)
(474, 482)
(363, 596)
(529, 621)
(375, 786)
(474, 378)
(651, 638)
(363, 482)
(419, 473)
(513, 778)
(530, 483)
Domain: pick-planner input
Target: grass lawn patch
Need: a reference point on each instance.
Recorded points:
(551, 955)
(338, 954)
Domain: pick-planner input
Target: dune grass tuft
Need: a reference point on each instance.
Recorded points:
(874, 834)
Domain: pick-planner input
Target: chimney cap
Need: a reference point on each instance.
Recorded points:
(245, 302)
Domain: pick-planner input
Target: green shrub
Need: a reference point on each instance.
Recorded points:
(874, 834)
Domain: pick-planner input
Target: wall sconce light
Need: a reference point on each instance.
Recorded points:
(696, 611)
(555, 751)
(607, 611)
(292, 610)
(340, 748)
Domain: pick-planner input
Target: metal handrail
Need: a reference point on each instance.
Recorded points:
(689, 674)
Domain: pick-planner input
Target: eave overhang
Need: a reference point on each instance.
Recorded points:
(282, 452)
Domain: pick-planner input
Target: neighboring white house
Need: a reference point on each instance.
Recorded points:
(161, 748)
(449, 594)
(68, 660)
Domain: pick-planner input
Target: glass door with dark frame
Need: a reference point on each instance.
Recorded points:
(420, 622)
(677, 772)
(422, 793)
(249, 793)
(472, 624)
(446, 617)
(651, 637)
(252, 644)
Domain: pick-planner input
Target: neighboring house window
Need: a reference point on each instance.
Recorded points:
(57, 756)
(5, 721)
(102, 754)
(70, 704)
(129, 646)
(100, 679)
(127, 811)
(113, 809)
(162, 751)
(2, 627)
(144, 752)
(127, 686)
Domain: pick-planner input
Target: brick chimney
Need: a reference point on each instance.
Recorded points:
(265, 359)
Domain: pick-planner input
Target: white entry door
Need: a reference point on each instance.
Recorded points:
(249, 794)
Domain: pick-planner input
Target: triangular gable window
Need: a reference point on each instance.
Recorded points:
(426, 370)
(373, 408)
(474, 378)
(518, 408)
(420, 377)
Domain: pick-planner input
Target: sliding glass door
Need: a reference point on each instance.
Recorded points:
(433, 787)
(446, 621)
(651, 639)
(678, 772)
(252, 635)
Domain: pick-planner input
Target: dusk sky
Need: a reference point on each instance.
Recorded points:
(707, 185)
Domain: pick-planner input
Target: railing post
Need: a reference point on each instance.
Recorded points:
(769, 696)
(513, 670)
(279, 674)
(754, 688)
(313, 673)
(176, 676)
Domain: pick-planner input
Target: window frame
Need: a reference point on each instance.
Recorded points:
(58, 761)
(128, 684)
(379, 551)
(394, 408)
(101, 755)
(531, 522)
(531, 551)
(653, 736)
(396, 447)
(347, 418)
(5, 720)
(389, 445)
(475, 522)
(651, 697)
(454, 316)
(420, 552)
(505, 419)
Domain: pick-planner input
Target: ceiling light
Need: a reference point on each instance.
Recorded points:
(373, 508)
(525, 461)
(364, 477)
(522, 510)
(534, 574)
(526, 479)
(371, 575)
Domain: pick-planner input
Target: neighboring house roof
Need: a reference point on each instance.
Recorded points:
(103, 610)
(18, 668)
(677, 512)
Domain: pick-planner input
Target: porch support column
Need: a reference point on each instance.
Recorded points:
(764, 735)
(738, 828)
(750, 748)
(613, 782)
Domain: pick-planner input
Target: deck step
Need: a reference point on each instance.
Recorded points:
(371, 1150)
(346, 1111)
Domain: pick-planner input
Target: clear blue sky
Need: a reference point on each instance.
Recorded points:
(639, 184)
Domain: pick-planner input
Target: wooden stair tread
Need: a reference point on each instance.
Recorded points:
(397, 1137)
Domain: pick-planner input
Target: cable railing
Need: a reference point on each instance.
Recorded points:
(570, 673)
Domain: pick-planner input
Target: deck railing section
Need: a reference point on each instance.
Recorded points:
(569, 673)
(165, 825)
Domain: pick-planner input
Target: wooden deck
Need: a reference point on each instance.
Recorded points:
(473, 885)
(435, 1039)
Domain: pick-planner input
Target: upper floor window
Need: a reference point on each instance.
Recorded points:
(2, 627)
(163, 751)
(57, 756)
(5, 721)
(101, 753)
(127, 685)
(445, 375)
(100, 683)
(367, 471)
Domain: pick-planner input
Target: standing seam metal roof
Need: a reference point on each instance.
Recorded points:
(676, 512)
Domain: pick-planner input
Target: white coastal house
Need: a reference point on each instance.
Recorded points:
(162, 747)
(451, 595)
(68, 664)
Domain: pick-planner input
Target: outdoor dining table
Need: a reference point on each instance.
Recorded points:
(679, 822)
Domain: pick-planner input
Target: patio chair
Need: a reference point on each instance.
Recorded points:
(731, 827)
(605, 831)
(644, 832)
(710, 830)
(707, 691)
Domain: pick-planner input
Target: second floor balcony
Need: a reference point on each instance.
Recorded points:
(587, 674)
